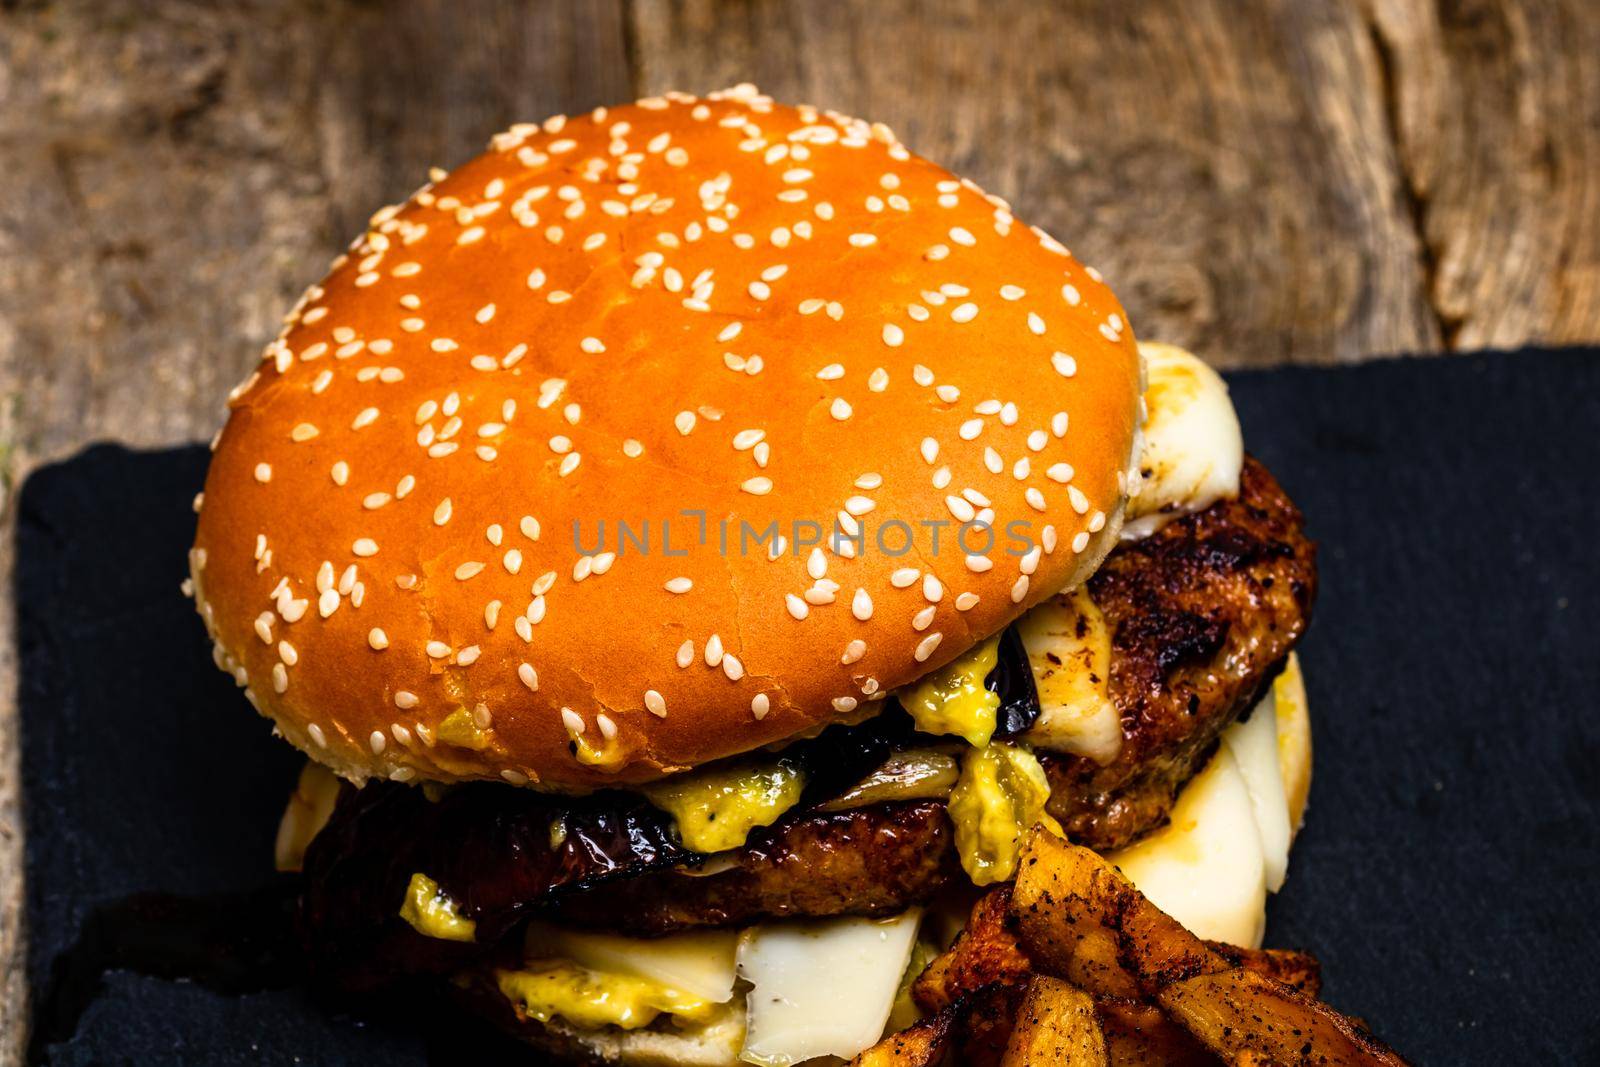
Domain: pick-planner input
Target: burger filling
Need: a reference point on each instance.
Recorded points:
(795, 881)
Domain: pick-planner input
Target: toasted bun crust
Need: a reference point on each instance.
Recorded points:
(759, 313)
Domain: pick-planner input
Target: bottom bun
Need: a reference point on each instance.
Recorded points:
(715, 1044)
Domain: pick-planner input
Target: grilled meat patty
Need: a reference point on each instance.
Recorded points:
(1202, 613)
(877, 860)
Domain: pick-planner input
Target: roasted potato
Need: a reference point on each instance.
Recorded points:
(1247, 1018)
(984, 953)
(1141, 1035)
(1297, 970)
(923, 1044)
(1056, 1023)
(1078, 918)
(983, 1024)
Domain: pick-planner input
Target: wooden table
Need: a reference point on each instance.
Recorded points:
(1317, 181)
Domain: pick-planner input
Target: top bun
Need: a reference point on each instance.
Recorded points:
(698, 318)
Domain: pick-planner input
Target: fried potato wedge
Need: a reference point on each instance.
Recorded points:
(922, 1044)
(984, 953)
(1056, 1023)
(1298, 970)
(1078, 918)
(1141, 1035)
(1249, 1019)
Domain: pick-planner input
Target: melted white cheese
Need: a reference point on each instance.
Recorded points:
(700, 962)
(1069, 648)
(1227, 843)
(821, 988)
(1192, 448)
(1205, 868)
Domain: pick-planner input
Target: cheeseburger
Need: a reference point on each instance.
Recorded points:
(693, 542)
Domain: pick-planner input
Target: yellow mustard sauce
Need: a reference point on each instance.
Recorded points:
(716, 809)
(590, 1000)
(460, 728)
(432, 913)
(954, 700)
(999, 797)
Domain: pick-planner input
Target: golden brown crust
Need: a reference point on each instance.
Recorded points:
(688, 275)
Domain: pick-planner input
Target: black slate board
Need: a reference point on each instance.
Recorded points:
(1445, 877)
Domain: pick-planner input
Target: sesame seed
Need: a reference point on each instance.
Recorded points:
(1080, 502)
(679, 585)
(1080, 541)
(263, 472)
(759, 706)
(1064, 364)
(861, 605)
(893, 335)
(655, 703)
(757, 486)
(572, 721)
(964, 312)
(365, 546)
(404, 699)
(966, 601)
(970, 429)
(840, 409)
(926, 646)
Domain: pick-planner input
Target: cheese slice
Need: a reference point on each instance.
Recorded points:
(821, 988)
(700, 962)
(1254, 745)
(1193, 449)
(1205, 868)
(1069, 650)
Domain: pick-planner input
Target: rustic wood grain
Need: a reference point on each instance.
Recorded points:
(1313, 181)
(1496, 106)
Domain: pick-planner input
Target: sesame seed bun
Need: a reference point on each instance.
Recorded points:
(759, 313)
